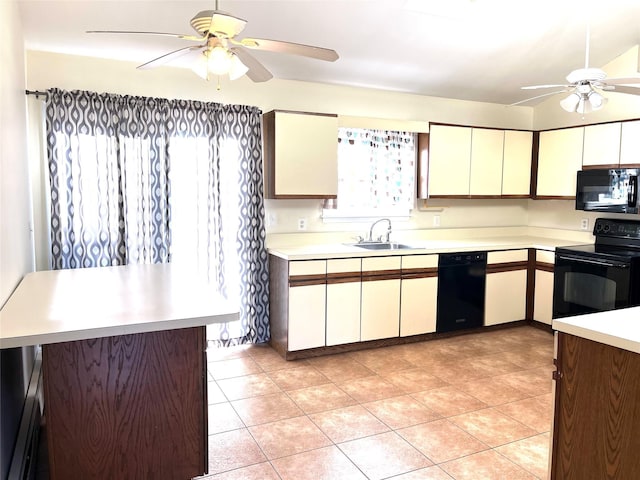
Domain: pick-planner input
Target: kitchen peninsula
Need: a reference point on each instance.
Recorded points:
(124, 366)
(597, 387)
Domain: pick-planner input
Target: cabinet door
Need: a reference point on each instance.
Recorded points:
(601, 144)
(418, 294)
(559, 159)
(630, 143)
(301, 155)
(543, 297)
(343, 301)
(380, 298)
(449, 160)
(486, 161)
(506, 297)
(516, 164)
(307, 301)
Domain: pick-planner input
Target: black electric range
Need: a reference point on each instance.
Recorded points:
(600, 276)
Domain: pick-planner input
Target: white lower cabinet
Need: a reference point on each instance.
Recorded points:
(543, 295)
(380, 316)
(506, 287)
(307, 300)
(418, 294)
(343, 301)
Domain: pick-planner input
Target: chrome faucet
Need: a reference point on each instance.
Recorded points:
(386, 236)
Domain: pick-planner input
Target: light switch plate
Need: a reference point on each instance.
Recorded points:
(302, 224)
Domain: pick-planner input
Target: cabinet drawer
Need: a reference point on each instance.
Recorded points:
(307, 267)
(507, 256)
(419, 261)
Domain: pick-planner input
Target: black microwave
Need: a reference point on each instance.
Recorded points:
(612, 190)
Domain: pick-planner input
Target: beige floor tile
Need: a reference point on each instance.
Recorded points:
(299, 377)
(288, 437)
(231, 450)
(429, 473)
(534, 412)
(248, 386)
(414, 380)
(215, 354)
(214, 394)
(234, 367)
(492, 391)
(369, 389)
(222, 418)
(380, 361)
(487, 465)
(534, 382)
(341, 369)
(531, 453)
(441, 440)
(492, 426)
(266, 408)
(270, 361)
(497, 363)
(327, 463)
(384, 455)
(401, 412)
(321, 398)
(348, 423)
(448, 401)
(260, 471)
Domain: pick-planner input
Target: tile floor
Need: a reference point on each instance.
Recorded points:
(471, 407)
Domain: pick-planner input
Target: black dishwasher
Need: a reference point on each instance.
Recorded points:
(461, 288)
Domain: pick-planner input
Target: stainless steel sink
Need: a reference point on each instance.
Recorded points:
(381, 245)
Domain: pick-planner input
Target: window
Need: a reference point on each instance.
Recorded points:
(376, 173)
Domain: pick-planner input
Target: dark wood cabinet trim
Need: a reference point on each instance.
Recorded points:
(373, 275)
(554, 197)
(545, 267)
(531, 283)
(279, 304)
(507, 267)
(424, 272)
(305, 280)
(535, 150)
(343, 277)
(611, 166)
(422, 184)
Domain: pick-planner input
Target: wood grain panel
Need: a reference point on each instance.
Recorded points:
(374, 275)
(127, 407)
(545, 267)
(506, 267)
(279, 303)
(425, 272)
(597, 415)
(302, 280)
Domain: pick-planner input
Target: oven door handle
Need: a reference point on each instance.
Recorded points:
(602, 263)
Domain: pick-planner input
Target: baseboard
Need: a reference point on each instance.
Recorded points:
(24, 460)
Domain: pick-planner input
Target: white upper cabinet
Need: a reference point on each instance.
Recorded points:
(559, 159)
(630, 143)
(449, 160)
(516, 164)
(601, 144)
(487, 147)
(301, 155)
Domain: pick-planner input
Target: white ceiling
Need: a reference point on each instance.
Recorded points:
(482, 50)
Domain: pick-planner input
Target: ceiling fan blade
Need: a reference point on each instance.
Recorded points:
(291, 48)
(622, 80)
(161, 60)
(257, 72)
(623, 89)
(163, 34)
(535, 87)
(540, 96)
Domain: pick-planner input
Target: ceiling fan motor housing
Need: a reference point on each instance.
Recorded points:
(585, 75)
(215, 22)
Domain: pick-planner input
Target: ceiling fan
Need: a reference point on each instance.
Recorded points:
(586, 85)
(224, 54)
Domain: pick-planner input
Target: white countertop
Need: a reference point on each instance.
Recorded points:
(617, 328)
(341, 250)
(66, 305)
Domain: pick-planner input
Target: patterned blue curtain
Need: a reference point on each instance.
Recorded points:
(114, 163)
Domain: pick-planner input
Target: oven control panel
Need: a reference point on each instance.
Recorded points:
(613, 227)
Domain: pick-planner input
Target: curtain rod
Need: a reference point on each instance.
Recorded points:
(37, 93)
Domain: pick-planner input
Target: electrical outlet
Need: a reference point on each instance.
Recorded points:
(584, 224)
(436, 220)
(302, 224)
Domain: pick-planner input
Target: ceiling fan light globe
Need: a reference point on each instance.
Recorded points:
(201, 66)
(596, 100)
(219, 61)
(237, 68)
(571, 102)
